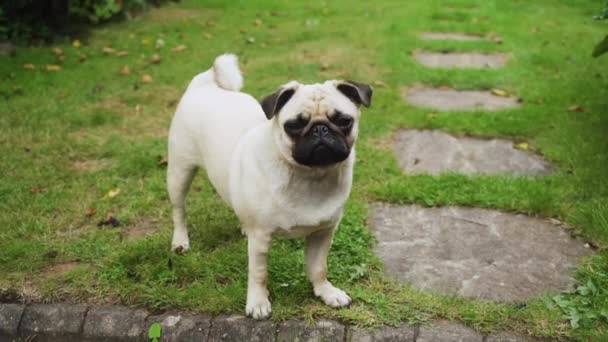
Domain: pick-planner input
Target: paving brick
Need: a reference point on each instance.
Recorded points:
(114, 323)
(445, 331)
(10, 316)
(179, 326)
(239, 328)
(53, 322)
(402, 333)
(321, 331)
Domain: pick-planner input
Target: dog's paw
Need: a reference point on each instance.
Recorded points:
(258, 307)
(333, 296)
(180, 247)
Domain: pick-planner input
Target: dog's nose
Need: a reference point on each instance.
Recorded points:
(320, 130)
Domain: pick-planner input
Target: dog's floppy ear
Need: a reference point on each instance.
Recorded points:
(359, 93)
(273, 103)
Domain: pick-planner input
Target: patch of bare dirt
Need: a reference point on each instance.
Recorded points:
(91, 165)
(141, 229)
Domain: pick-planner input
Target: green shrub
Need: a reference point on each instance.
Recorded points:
(22, 20)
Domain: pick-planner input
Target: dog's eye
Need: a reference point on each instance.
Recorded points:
(343, 121)
(294, 126)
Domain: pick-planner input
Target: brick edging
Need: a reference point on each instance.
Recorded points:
(78, 322)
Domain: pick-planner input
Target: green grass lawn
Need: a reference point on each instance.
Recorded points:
(69, 137)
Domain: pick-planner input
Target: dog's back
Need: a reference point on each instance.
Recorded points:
(213, 110)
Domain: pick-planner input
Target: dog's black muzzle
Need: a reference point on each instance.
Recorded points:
(321, 146)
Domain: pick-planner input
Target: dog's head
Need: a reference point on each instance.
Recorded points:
(316, 125)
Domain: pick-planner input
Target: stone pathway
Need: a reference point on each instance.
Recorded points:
(63, 322)
(469, 252)
(461, 59)
(451, 99)
(475, 253)
(436, 152)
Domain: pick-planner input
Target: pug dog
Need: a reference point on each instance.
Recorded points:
(284, 165)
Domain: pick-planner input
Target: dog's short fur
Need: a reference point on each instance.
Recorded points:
(284, 165)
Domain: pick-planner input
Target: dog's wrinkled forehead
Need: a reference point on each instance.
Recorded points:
(319, 99)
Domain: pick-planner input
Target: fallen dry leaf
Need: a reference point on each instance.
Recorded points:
(576, 108)
(82, 57)
(379, 83)
(159, 43)
(145, 41)
(29, 66)
(76, 44)
(179, 48)
(109, 220)
(258, 22)
(108, 50)
(522, 146)
(53, 67)
(324, 66)
(37, 189)
(155, 59)
(125, 70)
(242, 30)
(57, 51)
(500, 92)
(208, 35)
(146, 78)
(90, 212)
(163, 161)
(122, 53)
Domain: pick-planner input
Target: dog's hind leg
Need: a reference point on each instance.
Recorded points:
(179, 178)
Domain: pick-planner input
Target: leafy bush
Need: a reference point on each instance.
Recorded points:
(26, 19)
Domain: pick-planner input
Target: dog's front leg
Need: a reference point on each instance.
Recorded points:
(258, 305)
(317, 248)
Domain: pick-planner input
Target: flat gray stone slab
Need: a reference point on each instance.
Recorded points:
(321, 331)
(451, 99)
(403, 333)
(474, 253)
(436, 152)
(114, 323)
(52, 322)
(449, 36)
(177, 327)
(461, 59)
(239, 328)
(10, 316)
(444, 331)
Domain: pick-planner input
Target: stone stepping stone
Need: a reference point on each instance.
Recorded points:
(461, 59)
(449, 36)
(436, 152)
(450, 99)
(474, 253)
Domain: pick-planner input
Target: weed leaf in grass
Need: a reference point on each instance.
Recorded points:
(601, 48)
(154, 332)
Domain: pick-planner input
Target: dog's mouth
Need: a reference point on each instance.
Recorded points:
(322, 147)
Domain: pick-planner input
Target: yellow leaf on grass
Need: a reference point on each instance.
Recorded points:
(108, 50)
(179, 48)
(522, 146)
(500, 92)
(113, 193)
(122, 53)
(29, 66)
(53, 67)
(76, 44)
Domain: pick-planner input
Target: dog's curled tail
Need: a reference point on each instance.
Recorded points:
(225, 74)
